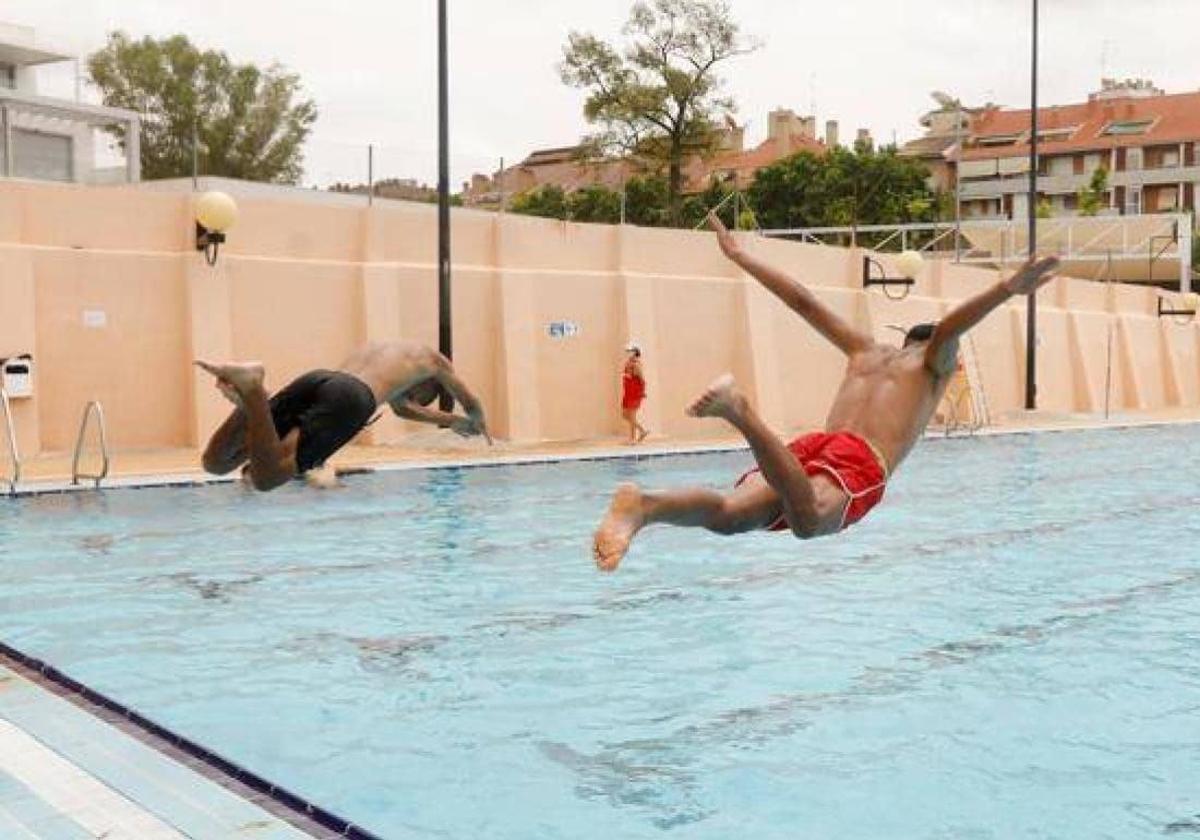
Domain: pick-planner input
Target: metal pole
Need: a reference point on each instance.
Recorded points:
(445, 337)
(1108, 356)
(958, 185)
(370, 174)
(195, 155)
(6, 129)
(622, 194)
(500, 184)
(1031, 309)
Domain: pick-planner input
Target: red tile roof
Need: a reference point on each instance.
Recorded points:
(1175, 119)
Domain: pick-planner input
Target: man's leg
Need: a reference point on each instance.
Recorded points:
(797, 495)
(272, 461)
(226, 450)
(751, 507)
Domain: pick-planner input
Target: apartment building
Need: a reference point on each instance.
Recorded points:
(1146, 139)
(47, 138)
(787, 134)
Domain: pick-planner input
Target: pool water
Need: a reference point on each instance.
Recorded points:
(1007, 647)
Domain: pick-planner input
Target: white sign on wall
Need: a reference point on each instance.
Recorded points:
(95, 319)
(562, 329)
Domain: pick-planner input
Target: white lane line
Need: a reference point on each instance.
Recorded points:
(75, 794)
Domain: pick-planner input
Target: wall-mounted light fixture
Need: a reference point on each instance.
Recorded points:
(215, 214)
(1182, 314)
(908, 263)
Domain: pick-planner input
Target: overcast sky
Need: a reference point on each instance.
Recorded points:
(371, 64)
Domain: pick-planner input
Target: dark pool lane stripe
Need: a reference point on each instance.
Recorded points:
(298, 811)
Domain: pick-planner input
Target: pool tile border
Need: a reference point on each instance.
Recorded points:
(199, 479)
(276, 800)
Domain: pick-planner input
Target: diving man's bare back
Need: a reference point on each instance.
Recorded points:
(823, 482)
(294, 431)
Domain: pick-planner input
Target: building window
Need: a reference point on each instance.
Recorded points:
(1133, 201)
(42, 156)
(8, 76)
(1051, 135)
(1169, 159)
(998, 139)
(1133, 158)
(1125, 127)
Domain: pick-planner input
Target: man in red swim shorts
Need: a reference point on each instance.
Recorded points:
(826, 481)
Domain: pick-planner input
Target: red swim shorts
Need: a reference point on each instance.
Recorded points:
(847, 459)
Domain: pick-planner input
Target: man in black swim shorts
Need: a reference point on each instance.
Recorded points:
(293, 432)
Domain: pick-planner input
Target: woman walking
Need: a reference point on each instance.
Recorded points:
(633, 391)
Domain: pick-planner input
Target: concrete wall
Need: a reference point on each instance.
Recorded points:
(103, 287)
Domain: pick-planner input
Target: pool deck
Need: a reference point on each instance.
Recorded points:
(52, 472)
(67, 771)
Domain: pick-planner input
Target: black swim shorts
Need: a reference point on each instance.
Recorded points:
(329, 407)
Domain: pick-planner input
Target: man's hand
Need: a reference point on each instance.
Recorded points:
(468, 427)
(729, 245)
(1032, 276)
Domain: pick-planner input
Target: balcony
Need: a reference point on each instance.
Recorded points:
(42, 138)
(1071, 184)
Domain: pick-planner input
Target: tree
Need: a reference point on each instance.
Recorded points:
(250, 123)
(658, 97)
(843, 187)
(1091, 197)
(594, 204)
(647, 201)
(548, 201)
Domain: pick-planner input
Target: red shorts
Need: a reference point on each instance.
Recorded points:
(846, 458)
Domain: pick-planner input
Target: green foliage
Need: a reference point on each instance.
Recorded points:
(1091, 197)
(548, 201)
(1045, 210)
(844, 187)
(251, 122)
(657, 96)
(646, 202)
(594, 204)
(696, 207)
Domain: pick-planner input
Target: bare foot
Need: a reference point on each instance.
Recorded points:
(620, 525)
(722, 399)
(242, 378)
(642, 435)
(322, 478)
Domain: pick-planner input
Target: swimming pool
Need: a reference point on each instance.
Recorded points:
(1005, 648)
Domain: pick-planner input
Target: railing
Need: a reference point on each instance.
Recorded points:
(91, 408)
(965, 404)
(10, 437)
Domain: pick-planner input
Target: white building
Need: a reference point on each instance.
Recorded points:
(51, 139)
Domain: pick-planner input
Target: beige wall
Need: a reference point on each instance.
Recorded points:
(304, 278)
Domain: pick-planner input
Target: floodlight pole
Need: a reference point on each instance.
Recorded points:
(1031, 305)
(445, 337)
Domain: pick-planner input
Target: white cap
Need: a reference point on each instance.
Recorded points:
(632, 347)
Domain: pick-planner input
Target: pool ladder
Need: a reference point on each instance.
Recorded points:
(92, 409)
(10, 437)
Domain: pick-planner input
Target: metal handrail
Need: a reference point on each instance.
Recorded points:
(10, 436)
(87, 413)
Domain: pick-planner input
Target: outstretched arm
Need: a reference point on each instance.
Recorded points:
(942, 351)
(474, 423)
(799, 299)
(412, 410)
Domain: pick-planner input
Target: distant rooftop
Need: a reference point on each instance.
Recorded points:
(18, 46)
